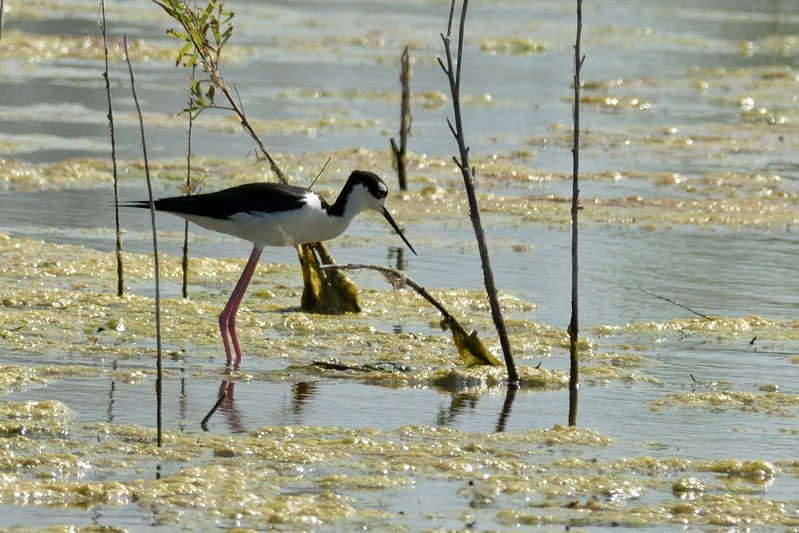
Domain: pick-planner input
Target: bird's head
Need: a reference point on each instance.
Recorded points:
(366, 190)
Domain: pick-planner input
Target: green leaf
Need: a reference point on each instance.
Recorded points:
(178, 34)
(215, 31)
(185, 51)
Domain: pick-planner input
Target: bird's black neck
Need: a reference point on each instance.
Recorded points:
(340, 206)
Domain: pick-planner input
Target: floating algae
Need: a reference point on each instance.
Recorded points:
(35, 48)
(294, 476)
(34, 419)
(723, 401)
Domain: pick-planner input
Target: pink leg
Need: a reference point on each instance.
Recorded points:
(227, 320)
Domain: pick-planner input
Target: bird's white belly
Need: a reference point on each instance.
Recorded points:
(285, 228)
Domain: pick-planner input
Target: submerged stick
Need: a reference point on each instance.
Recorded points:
(222, 396)
(469, 345)
(159, 368)
(697, 313)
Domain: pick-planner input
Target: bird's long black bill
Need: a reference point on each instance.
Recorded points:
(396, 228)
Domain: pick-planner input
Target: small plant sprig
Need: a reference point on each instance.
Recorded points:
(205, 33)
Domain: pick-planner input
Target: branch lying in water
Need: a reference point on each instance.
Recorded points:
(470, 347)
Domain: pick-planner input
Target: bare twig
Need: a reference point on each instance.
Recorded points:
(574, 328)
(397, 279)
(452, 69)
(118, 230)
(159, 370)
(319, 174)
(697, 313)
(1, 21)
(400, 152)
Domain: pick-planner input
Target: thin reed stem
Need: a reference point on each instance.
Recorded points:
(115, 172)
(574, 328)
(159, 369)
(184, 263)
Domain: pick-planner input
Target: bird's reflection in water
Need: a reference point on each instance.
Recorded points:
(303, 392)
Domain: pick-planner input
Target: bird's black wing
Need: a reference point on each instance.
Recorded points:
(248, 198)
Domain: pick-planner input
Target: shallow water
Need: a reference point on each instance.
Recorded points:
(690, 193)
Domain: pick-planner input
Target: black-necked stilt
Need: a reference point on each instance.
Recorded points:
(273, 214)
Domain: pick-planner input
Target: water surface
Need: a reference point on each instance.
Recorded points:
(689, 129)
